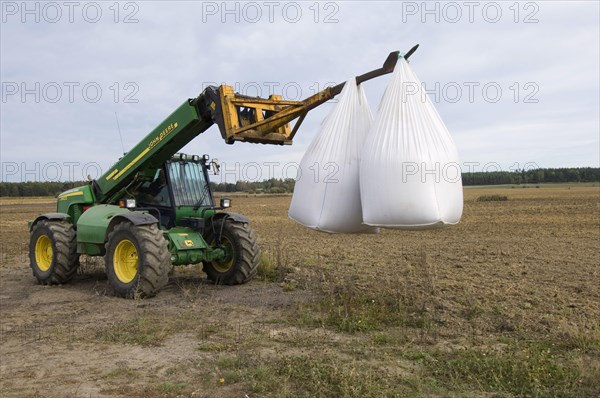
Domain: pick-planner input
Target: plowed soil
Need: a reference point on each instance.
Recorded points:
(512, 272)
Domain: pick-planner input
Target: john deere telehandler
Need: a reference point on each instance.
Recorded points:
(154, 207)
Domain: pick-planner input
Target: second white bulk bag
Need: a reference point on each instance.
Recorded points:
(409, 172)
(327, 194)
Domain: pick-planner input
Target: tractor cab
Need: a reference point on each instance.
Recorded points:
(176, 190)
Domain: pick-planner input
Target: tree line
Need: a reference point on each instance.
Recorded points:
(45, 188)
(274, 185)
(535, 176)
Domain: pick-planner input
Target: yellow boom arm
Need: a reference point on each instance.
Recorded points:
(267, 121)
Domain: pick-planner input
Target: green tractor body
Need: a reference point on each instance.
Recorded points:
(152, 209)
(184, 218)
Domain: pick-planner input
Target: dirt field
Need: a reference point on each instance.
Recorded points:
(505, 304)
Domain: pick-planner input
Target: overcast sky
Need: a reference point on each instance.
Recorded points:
(517, 84)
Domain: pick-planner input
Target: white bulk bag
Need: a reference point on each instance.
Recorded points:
(326, 195)
(409, 171)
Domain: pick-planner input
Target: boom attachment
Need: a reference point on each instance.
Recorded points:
(239, 117)
(267, 121)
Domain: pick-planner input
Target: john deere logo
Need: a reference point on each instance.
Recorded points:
(188, 243)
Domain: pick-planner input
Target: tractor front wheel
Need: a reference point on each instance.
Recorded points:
(53, 252)
(137, 260)
(239, 242)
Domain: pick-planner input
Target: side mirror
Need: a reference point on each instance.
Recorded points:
(214, 164)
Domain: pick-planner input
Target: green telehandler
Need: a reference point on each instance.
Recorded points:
(154, 207)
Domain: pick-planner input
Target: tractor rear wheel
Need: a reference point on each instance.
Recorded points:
(53, 252)
(137, 260)
(239, 241)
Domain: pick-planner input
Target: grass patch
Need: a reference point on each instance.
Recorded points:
(267, 271)
(310, 376)
(492, 198)
(349, 313)
(123, 371)
(363, 312)
(216, 347)
(144, 331)
(325, 377)
(162, 390)
(350, 305)
(260, 377)
(274, 264)
(583, 339)
(171, 388)
(524, 369)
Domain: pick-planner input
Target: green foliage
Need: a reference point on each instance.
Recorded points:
(345, 308)
(167, 387)
(492, 198)
(522, 369)
(313, 376)
(123, 371)
(573, 174)
(272, 185)
(36, 188)
(309, 376)
(267, 270)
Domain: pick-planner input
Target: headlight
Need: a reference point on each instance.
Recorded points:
(225, 203)
(128, 203)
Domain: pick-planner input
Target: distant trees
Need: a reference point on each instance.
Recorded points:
(581, 174)
(36, 188)
(274, 185)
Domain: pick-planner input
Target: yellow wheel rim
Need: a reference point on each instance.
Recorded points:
(224, 266)
(125, 261)
(43, 253)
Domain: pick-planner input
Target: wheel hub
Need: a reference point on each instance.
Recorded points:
(227, 262)
(125, 261)
(43, 253)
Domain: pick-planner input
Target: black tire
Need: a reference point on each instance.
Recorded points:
(241, 240)
(53, 252)
(151, 263)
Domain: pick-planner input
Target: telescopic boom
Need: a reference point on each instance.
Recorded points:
(239, 117)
